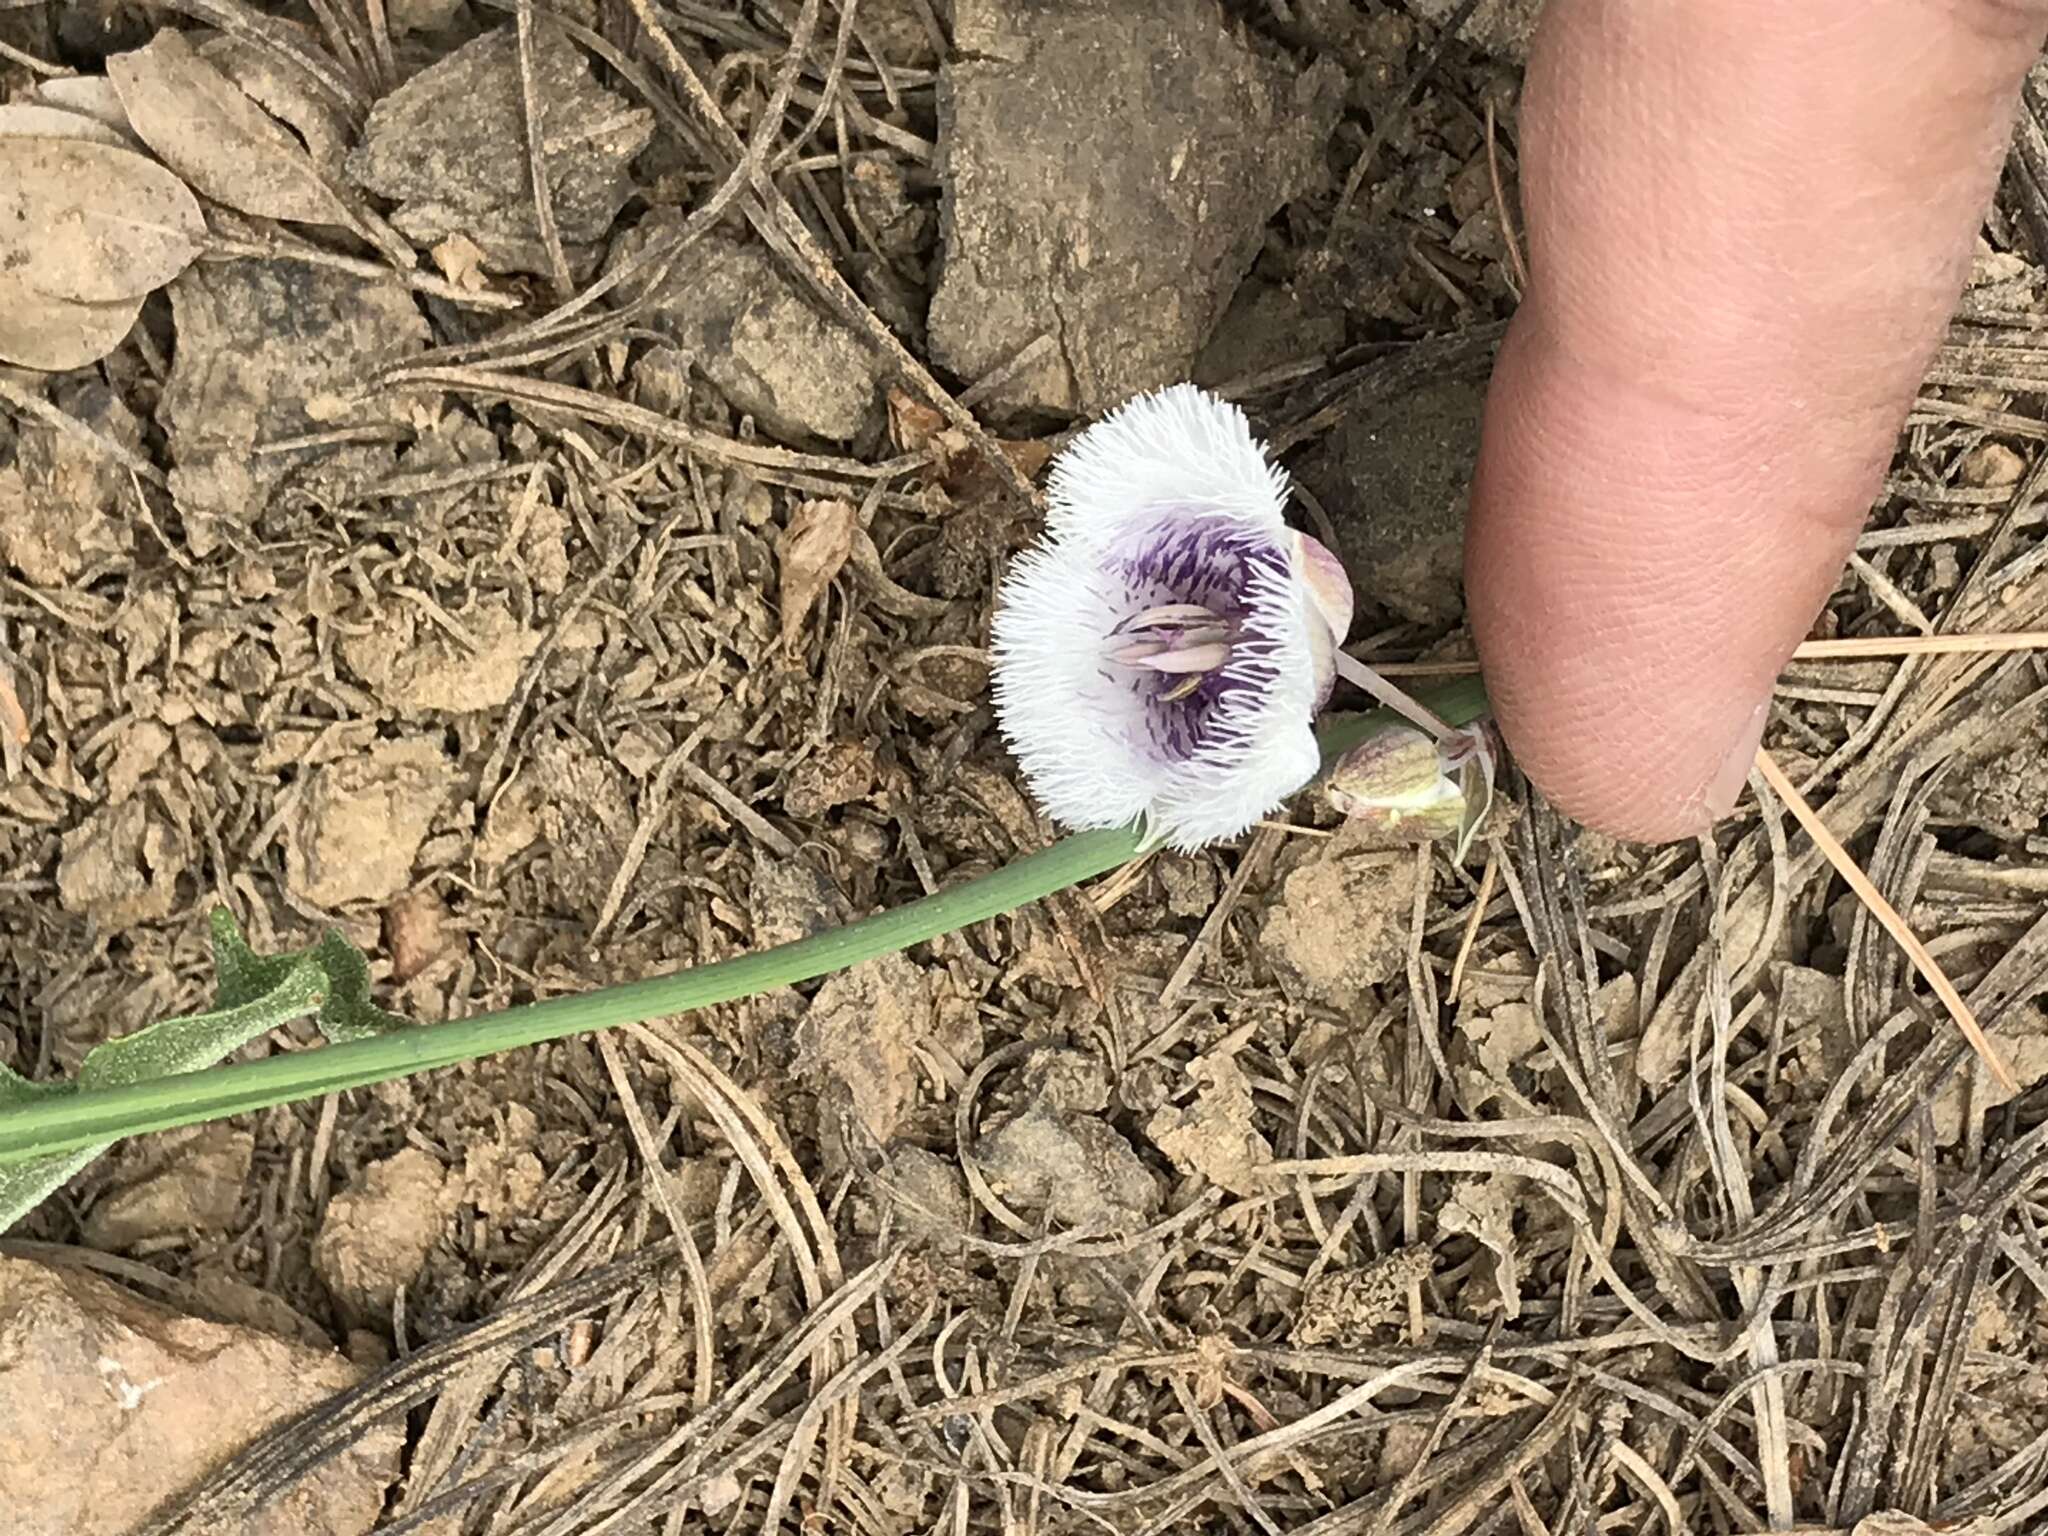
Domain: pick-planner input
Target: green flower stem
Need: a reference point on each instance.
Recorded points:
(93, 1117)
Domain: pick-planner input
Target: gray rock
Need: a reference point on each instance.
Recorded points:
(1502, 27)
(1267, 326)
(449, 146)
(259, 344)
(750, 330)
(1190, 141)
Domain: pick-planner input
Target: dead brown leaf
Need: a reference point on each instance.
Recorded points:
(810, 553)
(37, 331)
(965, 474)
(912, 423)
(461, 261)
(205, 128)
(283, 90)
(34, 120)
(970, 477)
(92, 223)
(91, 96)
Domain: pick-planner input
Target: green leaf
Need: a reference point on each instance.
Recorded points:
(158, 1050)
(201, 1039)
(16, 1089)
(254, 995)
(242, 974)
(348, 1014)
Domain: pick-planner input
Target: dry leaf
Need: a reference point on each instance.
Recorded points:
(966, 475)
(1484, 1207)
(37, 331)
(34, 120)
(92, 223)
(282, 89)
(461, 261)
(203, 127)
(91, 96)
(912, 423)
(810, 553)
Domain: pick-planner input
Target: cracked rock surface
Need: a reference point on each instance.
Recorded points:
(1190, 138)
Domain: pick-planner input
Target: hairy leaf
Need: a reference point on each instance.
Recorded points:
(255, 994)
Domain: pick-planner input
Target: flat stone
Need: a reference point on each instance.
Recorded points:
(450, 148)
(732, 308)
(259, 342)
(109, 1404)
(1191, 141)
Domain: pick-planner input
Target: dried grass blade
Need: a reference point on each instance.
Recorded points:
(1887, 916)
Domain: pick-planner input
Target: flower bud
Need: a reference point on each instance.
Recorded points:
(1411, 788)
(1395, 781)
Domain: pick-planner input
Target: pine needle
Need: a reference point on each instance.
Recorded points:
(1885, 913)
(1866, 648)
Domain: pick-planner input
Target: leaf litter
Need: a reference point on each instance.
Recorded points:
(1311, 1186)
(34, 120)
(92, 223)
(206, 130)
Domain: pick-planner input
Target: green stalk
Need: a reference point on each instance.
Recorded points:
(91, 1117)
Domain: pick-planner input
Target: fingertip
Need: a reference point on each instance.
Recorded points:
(1630, 670)
(1747, 229)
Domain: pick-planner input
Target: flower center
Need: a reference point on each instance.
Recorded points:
(1196, 628)
(1186, 641)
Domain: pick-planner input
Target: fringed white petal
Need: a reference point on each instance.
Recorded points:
(1076, 726)
(1075, 730)
(1181, 450)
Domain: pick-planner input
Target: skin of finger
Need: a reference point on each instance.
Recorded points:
(1748, 223)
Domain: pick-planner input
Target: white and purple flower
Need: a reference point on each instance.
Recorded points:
(1163, 652)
